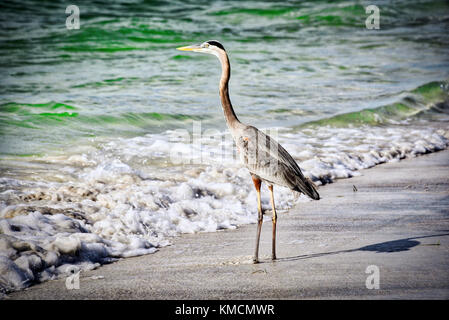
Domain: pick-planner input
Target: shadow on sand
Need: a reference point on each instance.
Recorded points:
(383, 247)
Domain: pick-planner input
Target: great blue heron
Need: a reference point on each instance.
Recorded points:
(265, 159)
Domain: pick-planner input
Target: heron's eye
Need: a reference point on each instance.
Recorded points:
(206, 45)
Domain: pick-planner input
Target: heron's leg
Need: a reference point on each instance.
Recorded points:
(257, 183)
(273, 248)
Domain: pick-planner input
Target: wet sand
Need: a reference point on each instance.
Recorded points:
(397, 220)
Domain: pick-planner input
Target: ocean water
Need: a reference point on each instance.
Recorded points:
(112, 142)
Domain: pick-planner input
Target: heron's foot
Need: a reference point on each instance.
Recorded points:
(255, 260)
(273, 257)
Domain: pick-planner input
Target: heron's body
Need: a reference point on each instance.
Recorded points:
(265, 159)
(269, 161)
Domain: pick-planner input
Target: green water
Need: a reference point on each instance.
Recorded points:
(427, 101)
(294, 64)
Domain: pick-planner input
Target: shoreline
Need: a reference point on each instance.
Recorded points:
(397, 220)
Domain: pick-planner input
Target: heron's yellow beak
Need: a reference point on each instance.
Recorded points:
(190, 48)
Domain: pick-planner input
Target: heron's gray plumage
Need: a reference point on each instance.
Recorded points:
(267, 159)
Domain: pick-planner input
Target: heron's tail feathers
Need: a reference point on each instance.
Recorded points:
(308, 188)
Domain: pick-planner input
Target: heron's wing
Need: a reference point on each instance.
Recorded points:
(266, 158)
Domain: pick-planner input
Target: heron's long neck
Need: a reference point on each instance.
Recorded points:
(229, 113)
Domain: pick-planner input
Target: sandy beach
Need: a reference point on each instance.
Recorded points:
(397, 220)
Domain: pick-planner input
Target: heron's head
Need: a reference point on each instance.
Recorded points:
(212, 47)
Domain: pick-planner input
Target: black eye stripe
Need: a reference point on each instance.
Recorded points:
(216, 43)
